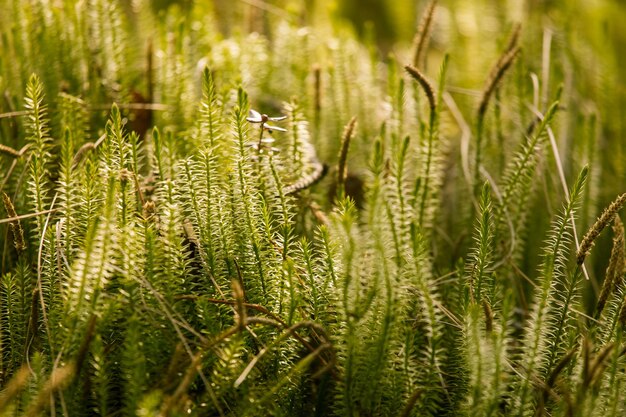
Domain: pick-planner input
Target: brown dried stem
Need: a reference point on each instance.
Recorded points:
(615, 270)
(422, 37)
(14, 386)
(496, 75)
(342, 167)
(9, 151)
(605, 218)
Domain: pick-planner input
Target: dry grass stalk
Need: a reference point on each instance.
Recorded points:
(514, 38)
(342, 166)
(14, 386)
(317, 95)
(496, 75)
(59, 379)
(9, 151)
(488, 316)
(511, 44)
(317, 212)
(238, 295)
(27, 216)
(81, 153)
(420, 42)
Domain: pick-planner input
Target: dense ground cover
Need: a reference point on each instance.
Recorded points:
(417, 228)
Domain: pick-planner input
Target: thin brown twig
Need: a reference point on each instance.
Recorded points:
(13, 165)
(174, 400)
(27, 216)
(14, 114)
(260, 309)
(9, 151)
(288, 332)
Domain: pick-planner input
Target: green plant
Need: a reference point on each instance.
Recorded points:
(384, 247)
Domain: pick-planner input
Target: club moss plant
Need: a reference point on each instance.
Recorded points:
(410, 234)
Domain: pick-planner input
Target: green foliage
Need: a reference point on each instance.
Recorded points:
(171, 250)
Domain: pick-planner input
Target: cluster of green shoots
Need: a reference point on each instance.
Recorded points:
(374, 247)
